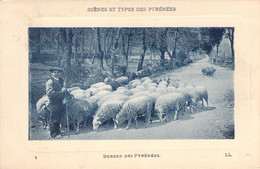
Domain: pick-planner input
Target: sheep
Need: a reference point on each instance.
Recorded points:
(107, 79)
(161, 89)
(43, 111)
(78, 112)
(122, 80)
(93, 105)
(167, 103)
(197, 93)
(81, 94)
(107, 111)
(72, 88)
(105, 87)
(146, 83)
(134, 107)
(77, 91)
(145, 78)
(186, 94)
(151, 89)
(135, 83)
(113, 96)
(97, 85)
(163, 84)
(123, 90)
(140, 87)
(99, 95)
(151, 85)
(113, 84)
(174, 82)
(92, 91)
(141, 93)
(171, 89)
(134, 90)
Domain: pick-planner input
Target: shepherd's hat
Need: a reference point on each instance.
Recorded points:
(55, 69)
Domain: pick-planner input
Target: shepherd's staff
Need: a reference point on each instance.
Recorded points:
(67, 114)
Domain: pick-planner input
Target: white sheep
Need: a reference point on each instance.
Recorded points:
(185, 92)
(198, 93)
(100, 95)
(78, 112)
(168, 103)
(122, 80)
(43, 111)
(174, 82)
(105, 87)
(145, 78)
(171, 89)
(72, 88)
(77, 91)
(151, 85)
(163, 84)
(161, 89)
(146, 83)
(134, 90)
(107, 111)
(135, 83)
(93, 91)
(93, 105)
(151, 89)
(123, 90)
(135, 107)
(97, 85)
(112, 96)
(139, 87)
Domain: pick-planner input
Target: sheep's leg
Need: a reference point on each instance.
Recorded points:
(77, 129)
(115, 126)
(107, 123)
(167, 117)
(202, 105)
(159, 115)
(148, 120)
(136, 124)
(175, 115)
(128, 125)
(206, 99)
(85, 123)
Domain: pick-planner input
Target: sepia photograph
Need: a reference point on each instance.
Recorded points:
(106, 83)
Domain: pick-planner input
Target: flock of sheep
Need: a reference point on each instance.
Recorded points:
(131, 100)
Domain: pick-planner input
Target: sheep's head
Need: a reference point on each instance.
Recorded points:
(96, 123)
(120, 119)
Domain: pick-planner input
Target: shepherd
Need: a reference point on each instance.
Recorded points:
(55, 91)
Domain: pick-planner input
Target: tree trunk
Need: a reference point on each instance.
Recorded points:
(61, 42)
(38, 47)
(140, 63)
(100, 52)
(113, 52)
(217, 50)
(232, 52)
(69, 55)
(162, 56)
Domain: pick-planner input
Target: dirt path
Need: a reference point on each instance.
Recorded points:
(210, 123)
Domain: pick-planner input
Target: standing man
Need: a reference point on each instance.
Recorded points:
(56, 93)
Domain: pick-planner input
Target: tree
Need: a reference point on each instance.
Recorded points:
(230, 36)
(216, 35)
(126, 42)
(69, 34)
(61, 42)
(100, 52)
(144, 48)
(114, 50)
